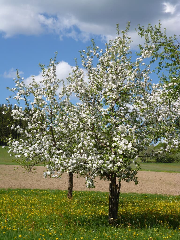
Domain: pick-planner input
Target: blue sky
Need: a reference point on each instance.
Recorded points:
(31, 31)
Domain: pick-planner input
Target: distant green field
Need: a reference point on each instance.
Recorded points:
(161, 167)
(6, 159)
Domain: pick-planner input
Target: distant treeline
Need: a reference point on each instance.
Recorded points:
(6, 121)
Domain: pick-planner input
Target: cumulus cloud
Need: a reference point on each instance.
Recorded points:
(37, 78)
(19, 19)
(172, 24)
(169, 8)
(83, 19)
(63, 69)
(172, 20)
(12, 73)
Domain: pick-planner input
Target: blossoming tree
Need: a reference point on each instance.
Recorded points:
(123, 111)
(52, 130)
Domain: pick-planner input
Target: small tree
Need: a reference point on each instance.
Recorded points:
(52, 129)
(123, 112)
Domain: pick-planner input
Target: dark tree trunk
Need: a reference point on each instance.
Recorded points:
(70, 185)
(114, 191)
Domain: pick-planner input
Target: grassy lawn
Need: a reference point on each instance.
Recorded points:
(161, 167)
(5, 157)
(45, 214)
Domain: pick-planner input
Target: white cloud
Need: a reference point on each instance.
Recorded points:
(63, 69)
(169, 8)
(82, 19)
(172, 20)
(38, 78)
(172, 24)
(19, 19)
(12, 73)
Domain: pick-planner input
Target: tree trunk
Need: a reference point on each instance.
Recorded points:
(114, 191)
(70, 185)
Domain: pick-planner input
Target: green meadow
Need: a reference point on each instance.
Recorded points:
(5, 157)
(45, 214)
(49, 214)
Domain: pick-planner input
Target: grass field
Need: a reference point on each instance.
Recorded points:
(6, 159)
(45, 214)
(161, 167)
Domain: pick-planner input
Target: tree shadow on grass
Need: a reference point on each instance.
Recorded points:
(139, 220)
(149, 219)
